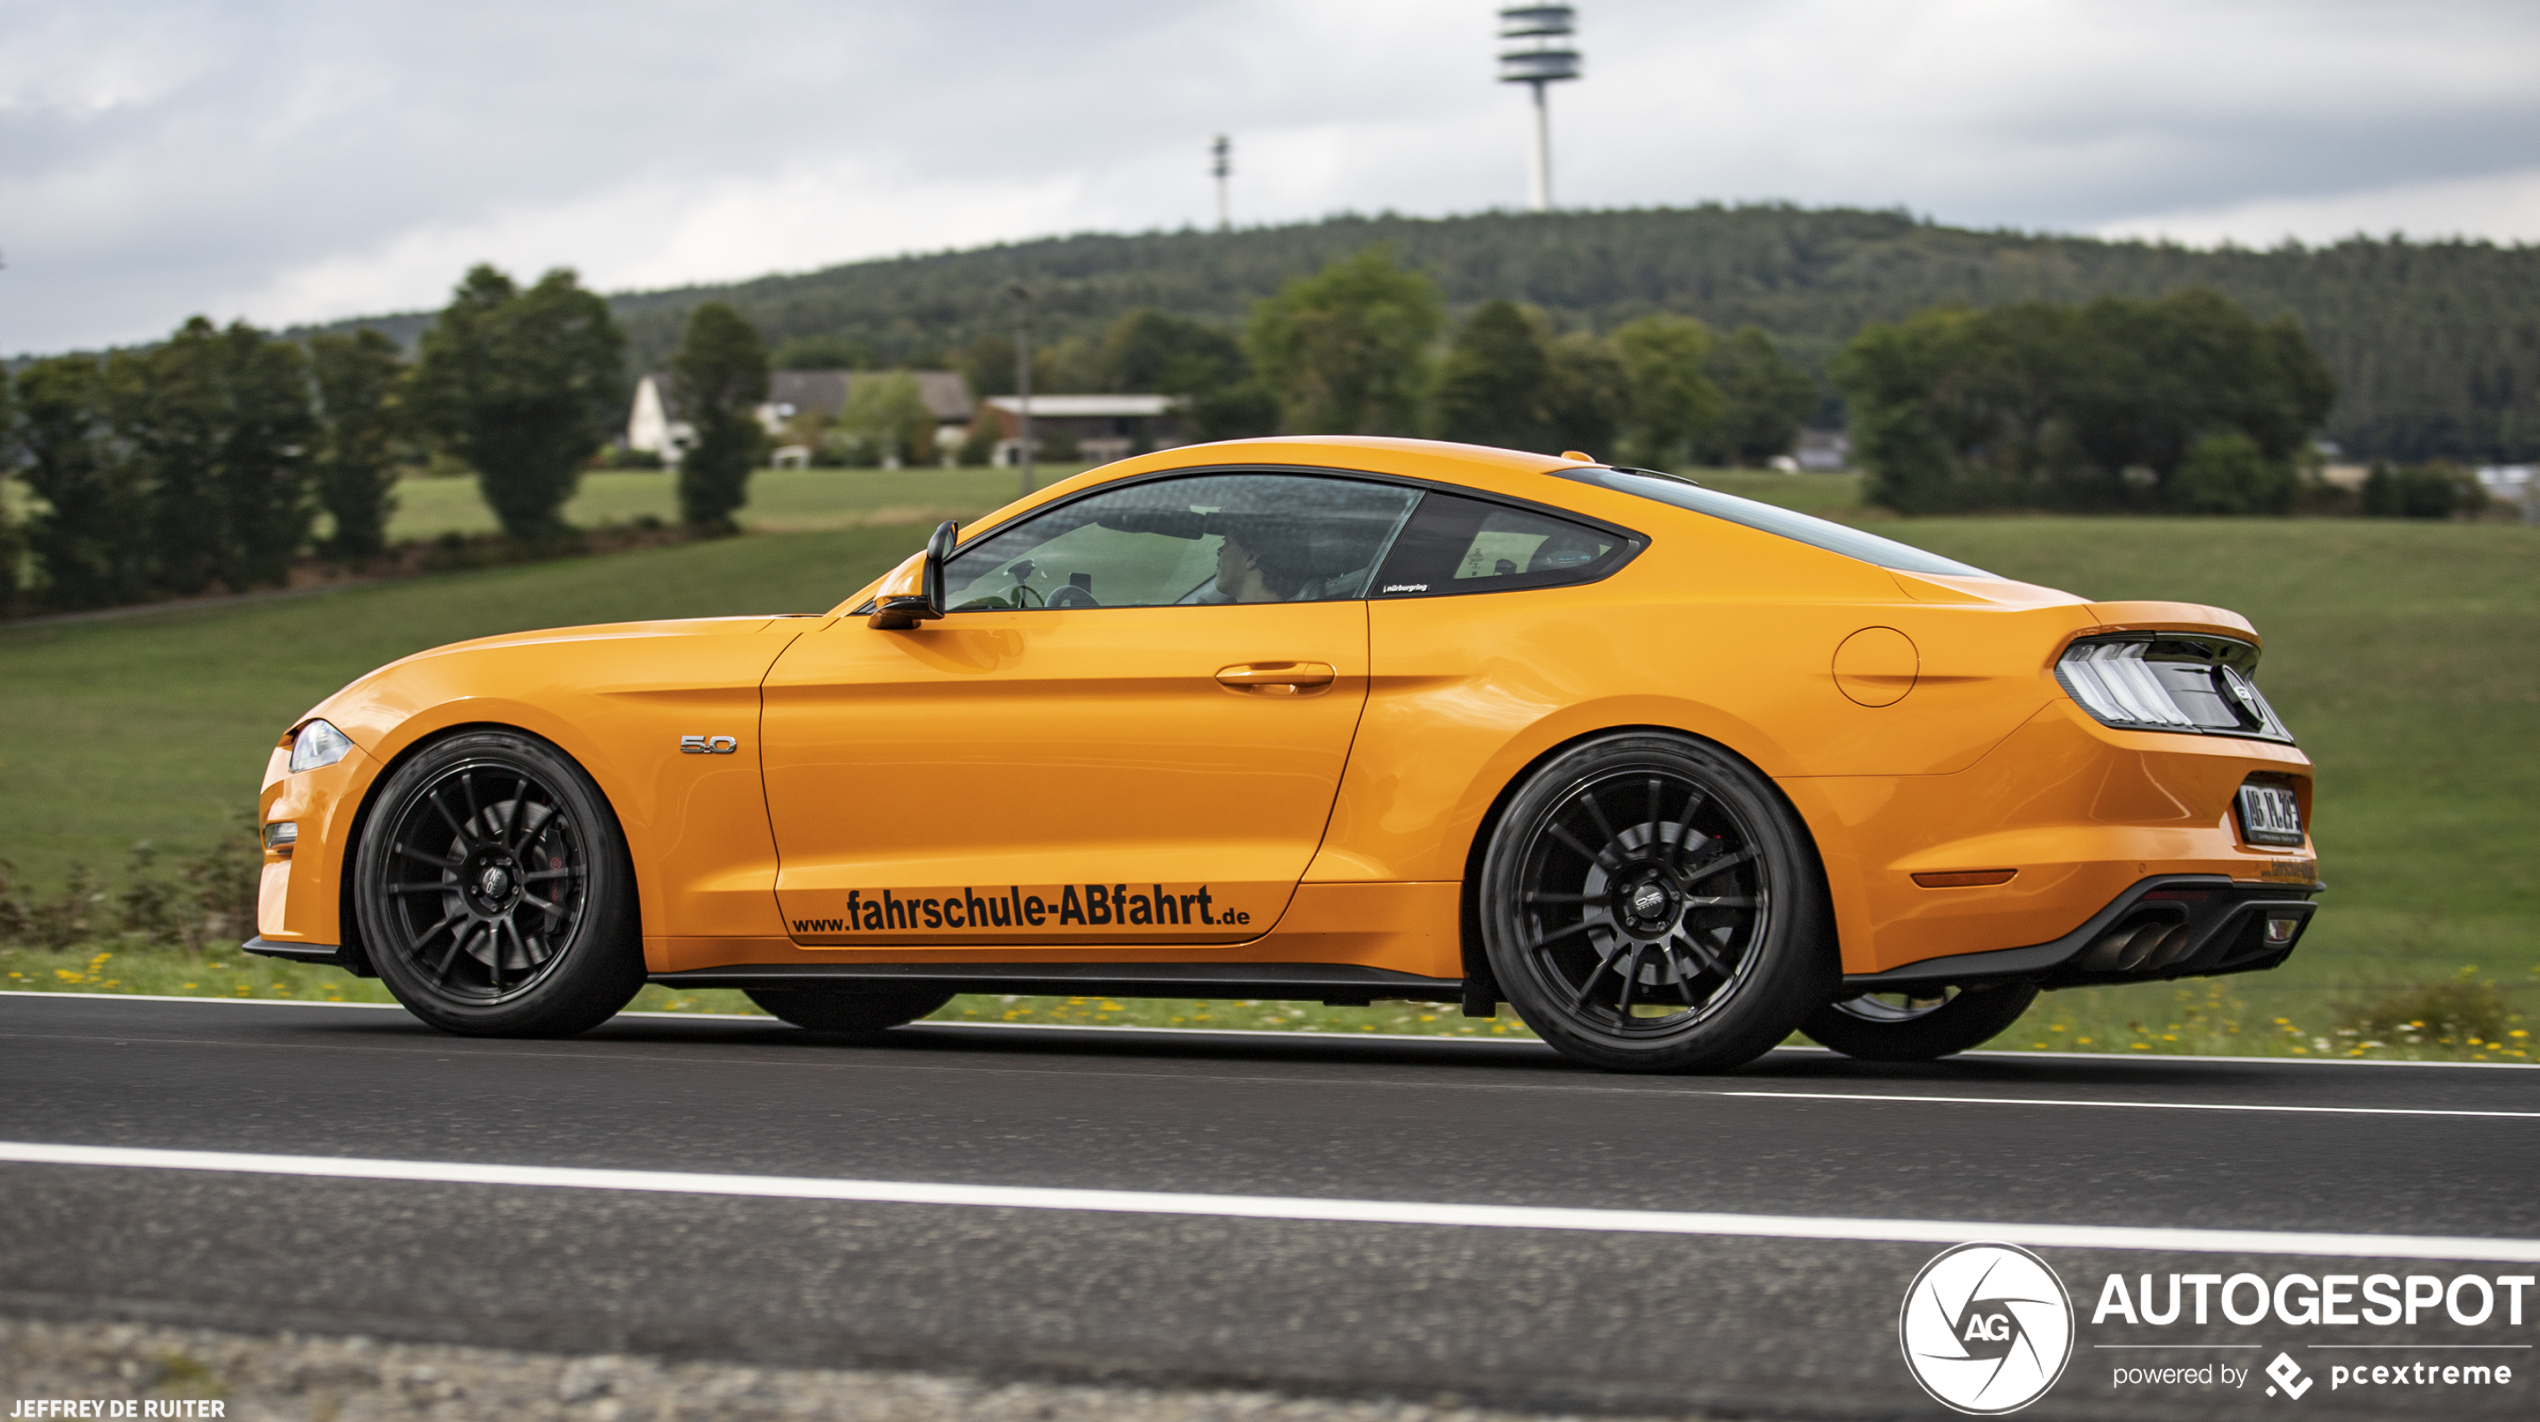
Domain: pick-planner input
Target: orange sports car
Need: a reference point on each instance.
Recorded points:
(1670, 772)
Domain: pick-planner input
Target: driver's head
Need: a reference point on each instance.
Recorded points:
(1261, 560)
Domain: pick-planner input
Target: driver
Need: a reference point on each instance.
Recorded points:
(1258, 561)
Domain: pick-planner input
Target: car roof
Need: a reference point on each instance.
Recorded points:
(1508, 472)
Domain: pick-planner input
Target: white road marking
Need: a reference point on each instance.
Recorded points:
(1273, 1207)
(2128, 1105)
(929, 1024)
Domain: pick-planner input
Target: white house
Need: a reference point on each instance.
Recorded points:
(649, 427)
(653, 426)
(1106, 427)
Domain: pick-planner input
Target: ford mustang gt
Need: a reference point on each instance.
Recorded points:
(1670, 773)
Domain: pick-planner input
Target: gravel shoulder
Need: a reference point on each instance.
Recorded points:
(300, 1378)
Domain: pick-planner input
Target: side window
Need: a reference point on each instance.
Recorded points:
(1460, 545)
(1206, 538)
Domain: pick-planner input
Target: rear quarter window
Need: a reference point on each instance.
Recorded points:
(1458, 545)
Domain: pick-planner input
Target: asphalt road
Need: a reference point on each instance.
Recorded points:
(1605, 1316)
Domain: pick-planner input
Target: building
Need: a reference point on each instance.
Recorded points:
(1103, 427)
(654, 427)
(1823, 451)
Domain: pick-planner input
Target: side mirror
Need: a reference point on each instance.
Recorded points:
(897, 611)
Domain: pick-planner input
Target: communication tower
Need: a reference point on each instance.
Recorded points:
(1544, 56)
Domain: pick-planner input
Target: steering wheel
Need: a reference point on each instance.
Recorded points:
(1071, 596)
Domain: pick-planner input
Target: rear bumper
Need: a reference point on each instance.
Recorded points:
(2166, 926)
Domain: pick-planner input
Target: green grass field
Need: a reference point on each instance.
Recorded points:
(2406, 655)
(781, 500)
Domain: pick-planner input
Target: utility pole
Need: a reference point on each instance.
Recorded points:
(1023, 379)
(1222, 163)
(1549, 61)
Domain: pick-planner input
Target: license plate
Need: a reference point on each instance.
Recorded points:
(2269, 815)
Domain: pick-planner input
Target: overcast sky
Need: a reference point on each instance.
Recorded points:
(289, 160)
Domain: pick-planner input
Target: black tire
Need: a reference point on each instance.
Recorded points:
(834, 1010)
(1896, 1027)
(494, 891)
(1650, 903)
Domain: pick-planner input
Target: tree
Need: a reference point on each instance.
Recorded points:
(82, 539)
(886, 419)
(988, 364)
(361, 391)
(265, 462)
(218, 428)
(2229, 473)
(1148, 352)
(2183, 404)
(12, 543)
(523, 386)
(2436, 490)
(830, 352)
(1345, 350)
(1217, 395)
(719, 379)
(1496, 380)
(1671, 402)
(2156, 376)
(1589, 397)
(1765, 399)
(1244, 410)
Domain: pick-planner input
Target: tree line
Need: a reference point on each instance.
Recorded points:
(210, 461)
(2434, 346)
(1366, 346)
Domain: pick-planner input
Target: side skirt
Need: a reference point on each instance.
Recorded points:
(1333, 984)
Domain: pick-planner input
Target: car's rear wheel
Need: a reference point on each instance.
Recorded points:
(494, 891)
(847, 1011)
(1905, 1027)
(1650, 903)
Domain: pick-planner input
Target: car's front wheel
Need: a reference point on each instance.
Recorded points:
(1650, 903)
(1903, 1027)
(494, 891)
(846, 1011)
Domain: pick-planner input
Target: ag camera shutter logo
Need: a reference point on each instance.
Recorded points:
(1986, 1328)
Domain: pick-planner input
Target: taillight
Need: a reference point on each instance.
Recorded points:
(2165, 681)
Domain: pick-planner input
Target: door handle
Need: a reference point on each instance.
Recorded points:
(1276, 678)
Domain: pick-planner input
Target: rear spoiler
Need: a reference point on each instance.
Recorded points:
(2170, 617)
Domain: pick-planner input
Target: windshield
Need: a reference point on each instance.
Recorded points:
(1772, 518)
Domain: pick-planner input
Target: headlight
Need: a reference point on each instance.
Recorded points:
(2170, 682)
(318, 744)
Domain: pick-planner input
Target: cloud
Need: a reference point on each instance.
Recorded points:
(294, 159)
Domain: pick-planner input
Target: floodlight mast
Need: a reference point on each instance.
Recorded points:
(1549, 60)
(1222, 163)
(1023, 380)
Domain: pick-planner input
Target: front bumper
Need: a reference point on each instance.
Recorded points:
(2163, 927)
(329, 955)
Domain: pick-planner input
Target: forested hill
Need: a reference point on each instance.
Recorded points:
(2436, 346)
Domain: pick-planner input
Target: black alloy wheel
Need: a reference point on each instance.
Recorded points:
(846, 1010)
(1918, 1026)
(1650, 903)
(494, 891)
